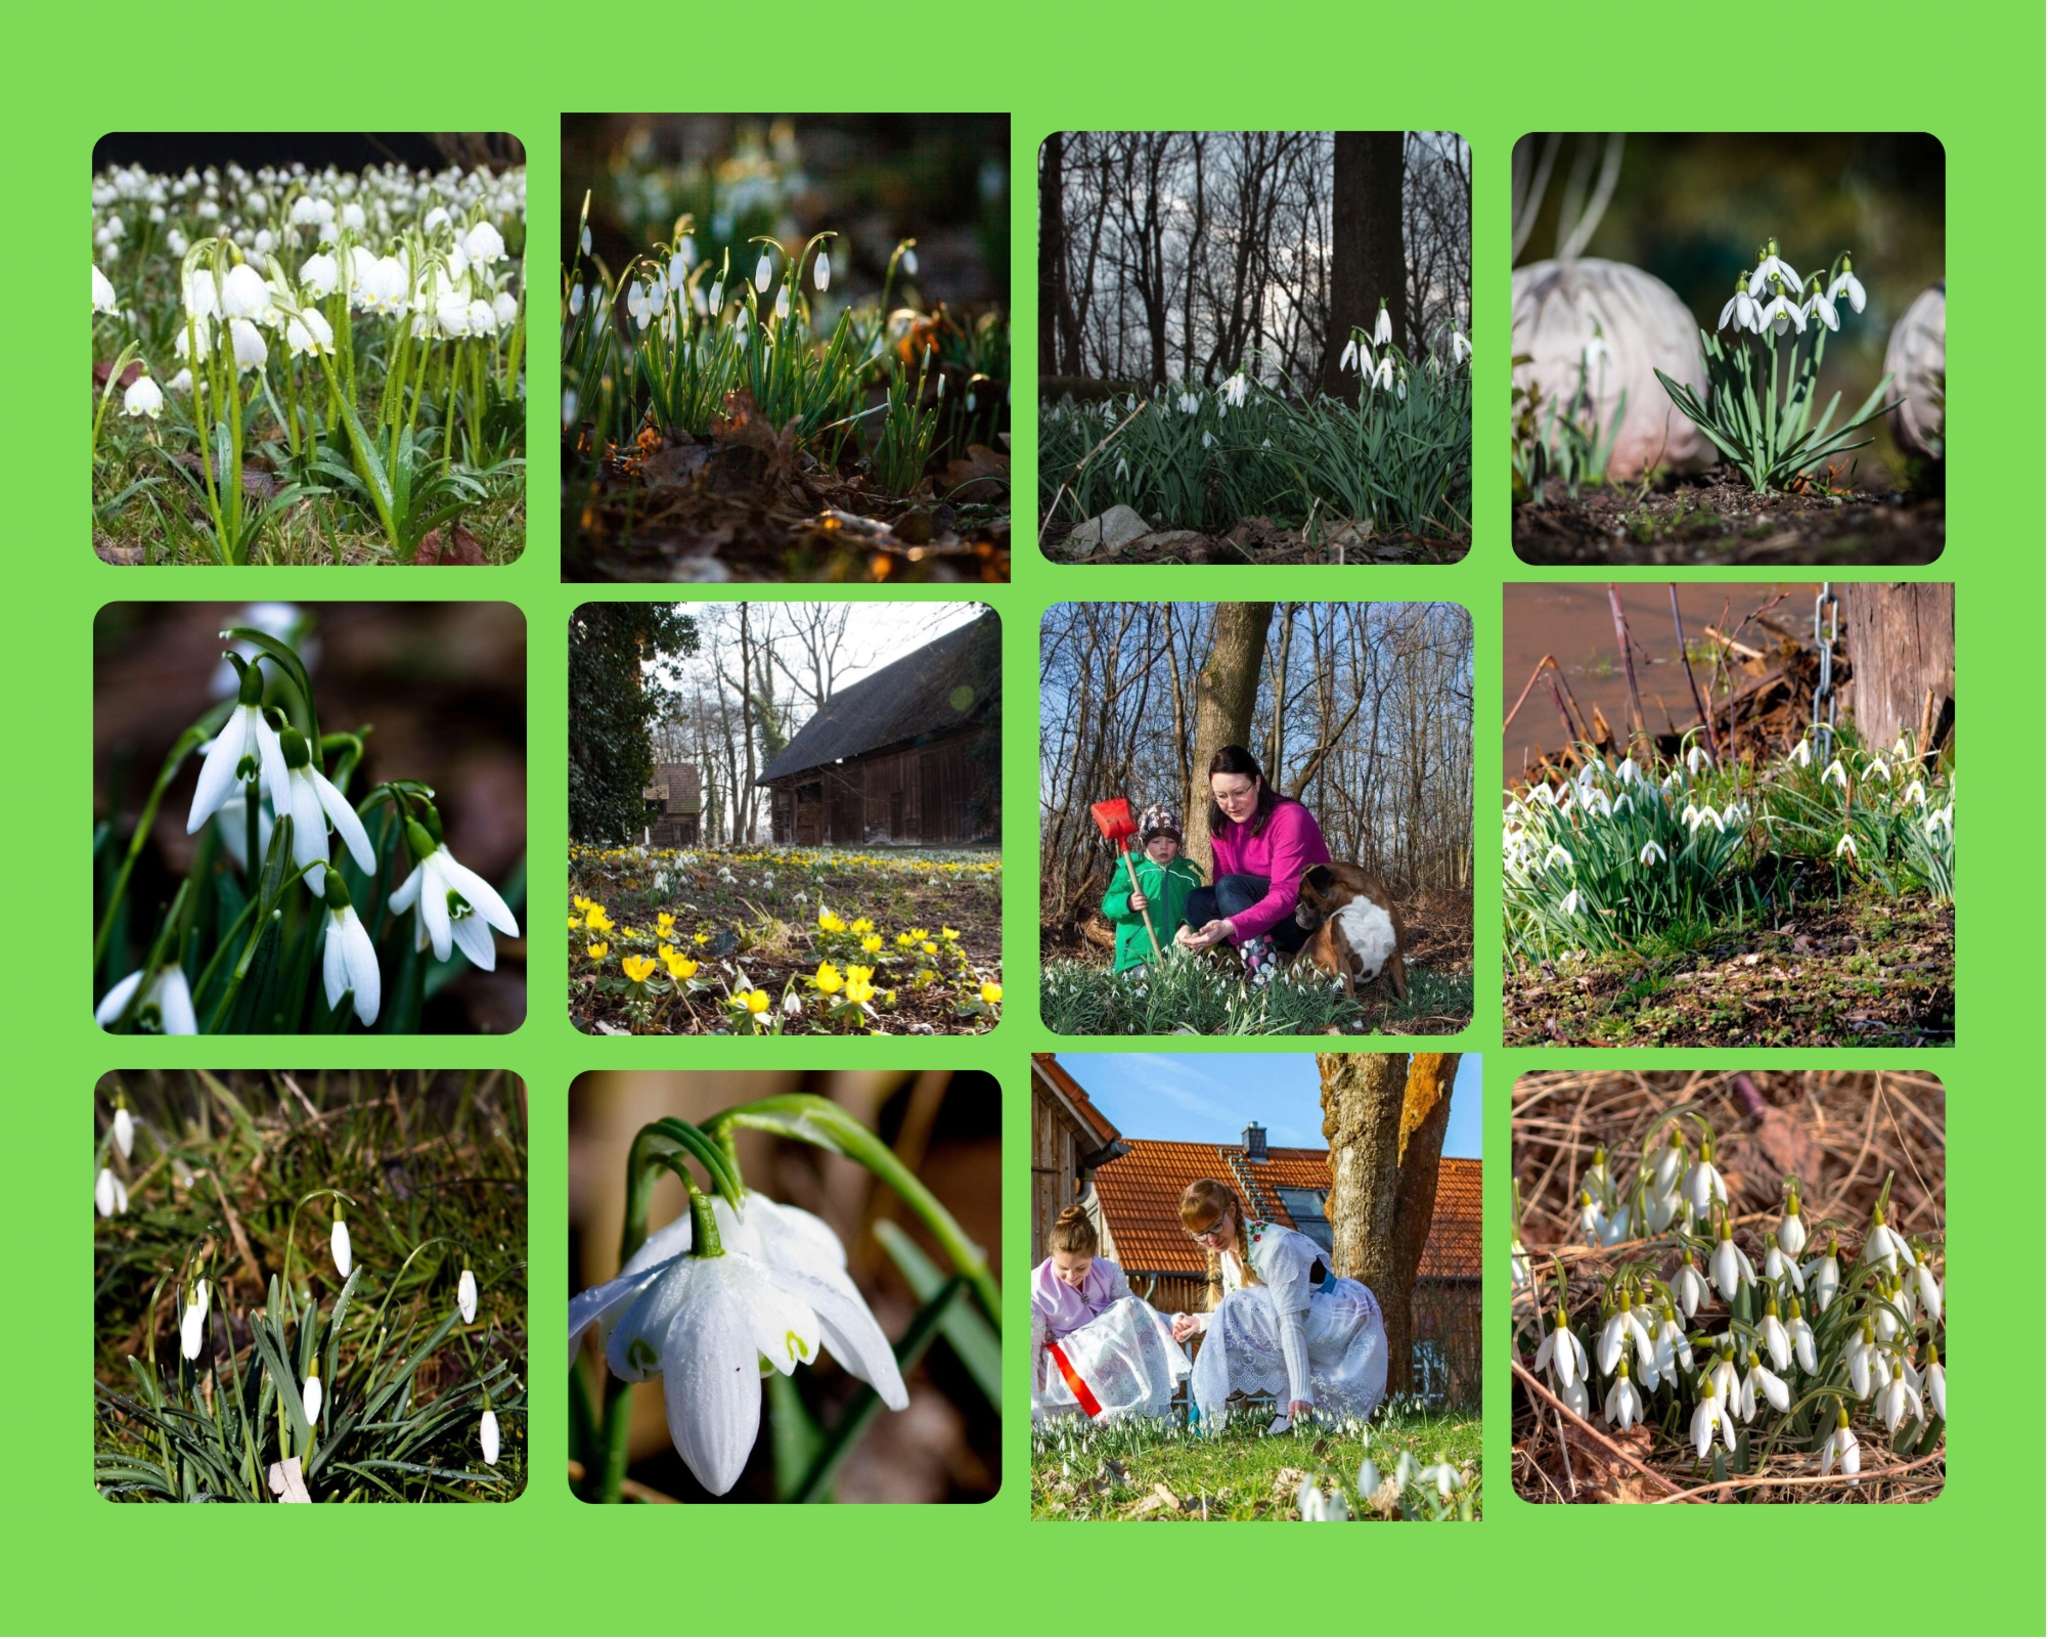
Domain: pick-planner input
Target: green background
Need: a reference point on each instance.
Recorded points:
(1970, 1561)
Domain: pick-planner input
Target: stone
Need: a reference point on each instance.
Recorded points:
(1916, 358)
(1111, 530)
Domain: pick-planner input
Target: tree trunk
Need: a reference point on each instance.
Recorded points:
(1425, 1112)
(1225, 692)
(1052, 252)
(1362, 1108)
(1901, 643)
(1367, 255)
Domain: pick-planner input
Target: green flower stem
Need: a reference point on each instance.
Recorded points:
(292, 1229)
(203, 729)
(812, 1120)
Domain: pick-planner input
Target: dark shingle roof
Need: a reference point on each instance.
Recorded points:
(950, 682)
(1140, 1194)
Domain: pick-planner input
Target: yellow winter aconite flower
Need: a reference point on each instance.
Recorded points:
(700, 938)
(596, 919)
(680, 967)
(598, 952)
(863, 924)
(929, 948)
(755, 1002)
(949, 934)
(904, 941)
(872, 943)
(830, 921)
(638, 968)
(828, 979)
(665, 924)
(920, 935)
(991, 992)
(580, 902)
(575, 922)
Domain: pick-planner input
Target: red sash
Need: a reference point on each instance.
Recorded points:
(1082, 1392)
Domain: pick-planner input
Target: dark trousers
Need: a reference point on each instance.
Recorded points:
(1230, 894)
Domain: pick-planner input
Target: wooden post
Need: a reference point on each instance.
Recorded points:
(1901, 643)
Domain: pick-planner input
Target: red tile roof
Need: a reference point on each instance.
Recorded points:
(1140, 1194)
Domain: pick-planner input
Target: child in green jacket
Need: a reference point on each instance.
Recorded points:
(1164, 882)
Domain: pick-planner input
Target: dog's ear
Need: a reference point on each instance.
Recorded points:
(1317, 879)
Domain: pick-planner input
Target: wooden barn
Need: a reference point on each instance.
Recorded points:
(675, 806)
(1133, 1187)
(910, 754)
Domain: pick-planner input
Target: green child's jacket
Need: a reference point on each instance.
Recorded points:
(1166, 889)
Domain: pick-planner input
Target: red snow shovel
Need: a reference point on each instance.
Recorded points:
(1113, 820)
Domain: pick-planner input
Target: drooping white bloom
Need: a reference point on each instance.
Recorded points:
(484, 244)
(1595, 354)
(1804, 1349)
(487, 1437)
(308, 334)
(763, 272)
(1708, 1419)
(251, 351)
(1689, 1287)
(453, 907)
(1824, 1278)
(1925, 1287)
(1520, 1273)
(338, 1244)
(103, 298)
(320, 274)
(1770, 265)
(1624, 1407)
(1235, 389)
(1868, 1370)
(465, 1297)
(1840, 1449)
(910, 263)
(1317, 1506)
(821, 273)
(1740, 312)
(192, 1322)
(1562, 1352)
(1673, 1348)
(1937, 1384)
(1461, 349)
(1383, 327)
(1383, 374)
(1704, 1184)
(109, 1194)
(1651, 855)
(1346, 360)
(310, 1397)
(381, 285)
(244, 295)
(1820, 306)
(348, 960)
(166, 1005)
(1730, 1266)
(124, 1130)
(143, 397)
(1792, 1229)
(1900, 1395)
(1847, 283)
(1886, 1246)
(1368, 1480)
(1782, 313)
(1442, 1475)
(316, 805)
(705, 1325)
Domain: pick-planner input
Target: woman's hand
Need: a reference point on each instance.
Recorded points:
(1138, 901)
(1209, 933)
(1184, 1328)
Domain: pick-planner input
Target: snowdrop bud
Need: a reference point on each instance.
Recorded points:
(124, 1130)
(782, 301)
(1841, 1450)
(1937, 1383)
(1791, 1227)
(109, 1194)
(465, 1297)
(338, 1244)
(1368, 1480)
(487, 1437)
(821, 273)
(763, 272)
(310, 1399)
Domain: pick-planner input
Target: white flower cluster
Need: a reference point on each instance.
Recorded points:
(1769, 297)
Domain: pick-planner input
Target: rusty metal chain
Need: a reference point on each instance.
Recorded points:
(1827, 625)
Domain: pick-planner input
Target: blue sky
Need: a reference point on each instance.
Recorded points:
(1206, 1098)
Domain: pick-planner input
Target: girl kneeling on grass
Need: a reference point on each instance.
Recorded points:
(1165, 883)
(1096, 1347)
(1287, 1327)
(1263, 843)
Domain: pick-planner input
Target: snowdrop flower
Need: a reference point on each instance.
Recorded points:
(1885, 1246)
(103, 298)
(1558, 855)
(244, 295)
(1189, 403)
(1866, 1363)
(1760, 1383)
(504, 309)
(166, 1006)
(380, 285)
(1562, 1352)
(1319, 1507)
(1824, 1277)
(181, 382)
(1770, 265)
(1569, 906)
(1708, 1419)
(1780, 1270)
(1368, 1480)
(1461, 349)
(1383, 327)
(1924, 1286)
(1792, 1227)
(1840, 1450)
(576, 299)
(452, 906)
(487, 1437)
(348, 960)
(1741, 310)
(1624, 1406)
(1846, 283)
(1898, 1396)
(251, 351)
(1820, 306)
(1781, 313)
(1623, 1327)
(144, 398)
(484, 244)
(1776, 1338)
(316, 804)
(1651, 855)
(775, 1292)
(1689, 1288)
(192, 1323)
(1800, 1335)
(1915, 795)
(1801, 754)
(1346, 360)
(782, 301)
(1442, 1475)
(1383, 373)
(821, 273)
(1704, 1184)
(1520, 1273)
(1937, 1383)
(124, 1130)
(465, 1297)
(1730, 1266)
(1235, 389)
(910, 263)
(1941, 819)
(763, 272)
(109, 1194)
(1673, 1349)
(310, 1397)
(1596, 353)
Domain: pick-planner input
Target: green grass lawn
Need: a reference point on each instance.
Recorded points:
(1159, 1470)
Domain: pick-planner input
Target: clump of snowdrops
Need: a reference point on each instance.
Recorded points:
(1565, 440)
(273, 928)
(727, 1300)
(1743, 1343)
(1621, 853)
(363, 332)
(691, 340)
(277, 1389)
(1396, 460)
(1764, 425)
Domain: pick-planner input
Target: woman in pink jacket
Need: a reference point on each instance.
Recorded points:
(1262, 843)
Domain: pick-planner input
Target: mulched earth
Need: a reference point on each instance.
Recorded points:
(1863, 973)
(1259, 541)
(750, 503)
(1715, 519)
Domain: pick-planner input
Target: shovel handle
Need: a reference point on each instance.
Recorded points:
(1131, 871)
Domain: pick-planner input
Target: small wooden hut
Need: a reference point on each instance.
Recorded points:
(909, 755)
(675, 806)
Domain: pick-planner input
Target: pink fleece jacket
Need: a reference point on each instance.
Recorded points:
(1280, 850)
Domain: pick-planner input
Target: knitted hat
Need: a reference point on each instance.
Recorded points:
(1158, 821)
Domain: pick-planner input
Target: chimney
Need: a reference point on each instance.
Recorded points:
(1254, 1142)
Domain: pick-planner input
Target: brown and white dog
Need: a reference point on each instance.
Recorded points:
(1354, 931)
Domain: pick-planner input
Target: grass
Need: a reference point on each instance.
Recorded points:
(1143, 1469)
(784, 941)
(1187, 996)
(233, 1179)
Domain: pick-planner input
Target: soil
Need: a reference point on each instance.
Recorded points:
(1857, 973)
(749, 503)
(1260, 541)
(1718, 519)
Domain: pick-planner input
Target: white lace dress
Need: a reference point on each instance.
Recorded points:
(1122, 1363)
(1289, 1336)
